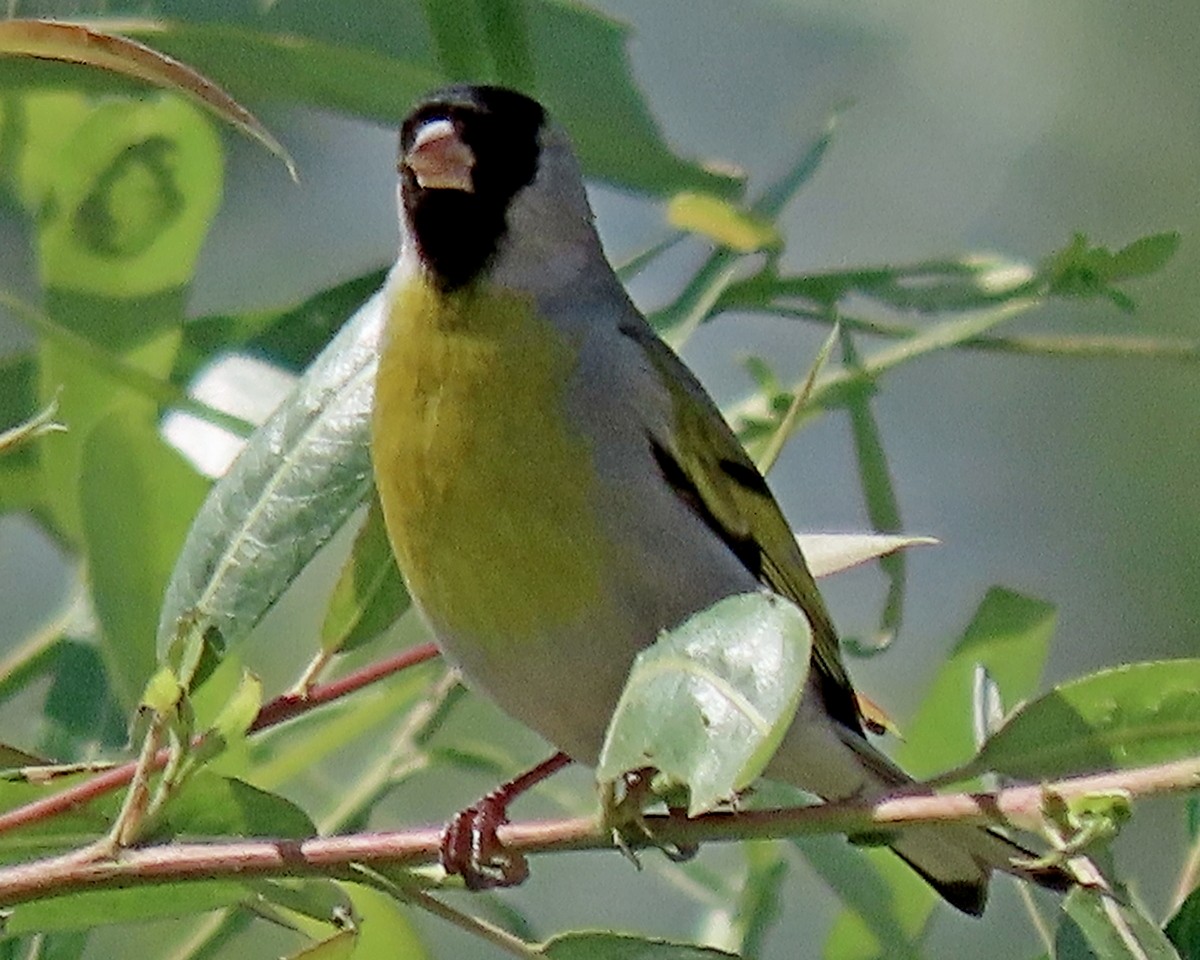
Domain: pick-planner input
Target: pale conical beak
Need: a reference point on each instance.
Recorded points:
(439, 159)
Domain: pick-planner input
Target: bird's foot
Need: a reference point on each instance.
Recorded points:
(470, 847)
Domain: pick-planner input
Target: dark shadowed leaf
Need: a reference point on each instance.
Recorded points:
(615, 946)
(1114, 930)
(1183, 929)
(369, 595)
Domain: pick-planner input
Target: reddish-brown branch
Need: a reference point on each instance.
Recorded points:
(272, 714)
(335, 856)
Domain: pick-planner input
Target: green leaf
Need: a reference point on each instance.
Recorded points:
(887, 918)
(709, 702)
(297, 747)
(82, 911)
(88, 392)
(1083, 270)
(885, 912)
(208, 805)
(66, 831)
(1144, 256)
(1132, 715)
(1115, 930)
(382, 927)
(1010, 637)
(875, 478)
(290, 338)
(298, 480)
(19, 486)
(759, 900)
(137, 496)
(722, 222)
(81, 699)
(240, 711)
(135, 188)
(385, 931)
(313, 897)
(370, 595)
(971, 282)
(617, 946)
(294, 55)
(1183, 929)
(341, 946)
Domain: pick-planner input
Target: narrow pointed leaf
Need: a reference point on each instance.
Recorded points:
(76, 43)
(369, 595)
(299, 479)
(722, 222)
(1115, 930)
(616, 946)
(830, 553)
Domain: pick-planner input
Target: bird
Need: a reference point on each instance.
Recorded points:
(558, 487)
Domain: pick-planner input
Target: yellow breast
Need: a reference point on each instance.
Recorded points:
(486, 489)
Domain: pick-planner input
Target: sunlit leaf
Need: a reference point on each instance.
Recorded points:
(830, 553)
(138, 496)
(382, 928)
(341, 946)
(1132, 715)
(721, 221)
(300, 477)
(1010, 635)
(709, 702)
(77, 43)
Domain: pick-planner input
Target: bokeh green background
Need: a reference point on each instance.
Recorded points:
(963, 126)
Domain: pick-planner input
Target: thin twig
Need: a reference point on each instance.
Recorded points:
(336, 856)
(277, 711)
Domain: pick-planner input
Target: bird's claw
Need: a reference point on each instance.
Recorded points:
(470, 848)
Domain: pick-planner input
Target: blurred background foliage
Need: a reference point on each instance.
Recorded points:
(1001, 129)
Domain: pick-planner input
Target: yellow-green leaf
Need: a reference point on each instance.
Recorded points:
(722, 222)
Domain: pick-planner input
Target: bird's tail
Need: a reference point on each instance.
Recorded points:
(957, 860)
